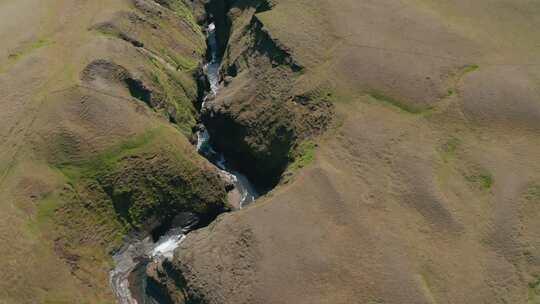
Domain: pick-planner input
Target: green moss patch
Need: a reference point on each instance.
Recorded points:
(303, 155)
(534, 291)
(469, 69)
(182, 63)
(458, 78)
(139, 178)
(484, 180)
(133, 186)
(46, 209)
(177, 91)
(28, 48)
(181, 9)
(107, 160)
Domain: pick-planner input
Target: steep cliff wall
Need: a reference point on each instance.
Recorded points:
(261, 115)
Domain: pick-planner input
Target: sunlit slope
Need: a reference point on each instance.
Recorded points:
(87, 149)
(426, 188)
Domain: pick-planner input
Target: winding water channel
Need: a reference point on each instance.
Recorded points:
(128, 278)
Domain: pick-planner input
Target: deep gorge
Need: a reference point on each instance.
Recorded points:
(394, 146)
(249, 154)
(130, 280)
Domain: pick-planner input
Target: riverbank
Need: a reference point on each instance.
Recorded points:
(129, 278)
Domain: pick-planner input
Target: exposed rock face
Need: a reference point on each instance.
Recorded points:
(187, 279)
(167, 283)
(256, 120)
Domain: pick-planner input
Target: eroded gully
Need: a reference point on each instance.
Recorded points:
(128, 279)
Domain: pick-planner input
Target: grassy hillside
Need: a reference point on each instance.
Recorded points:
(88, 153)
(403, 136)
(423, 189)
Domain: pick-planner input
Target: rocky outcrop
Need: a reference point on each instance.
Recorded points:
(167, 284)
(185, 283)
(256, 119)
(153, 187)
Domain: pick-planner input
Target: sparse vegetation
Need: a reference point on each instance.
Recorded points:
(175, 91)
(182, 63)
(183, 10)
(469, 69)
(449, 149)
(534, 291)
(533, 193)
(25, 49)
(459, 75)
(84, 164)
(141, 180)
(171, 66)
(107, 160)
(484, 180)
(45, 213)
(303, 155)
(396, 103)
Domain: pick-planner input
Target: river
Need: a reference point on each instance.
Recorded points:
(128, 278)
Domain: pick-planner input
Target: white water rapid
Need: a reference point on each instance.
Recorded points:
(141, 252)
(247, 191)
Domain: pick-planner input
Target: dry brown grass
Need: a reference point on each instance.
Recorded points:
(399, 206)
(438, 204)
